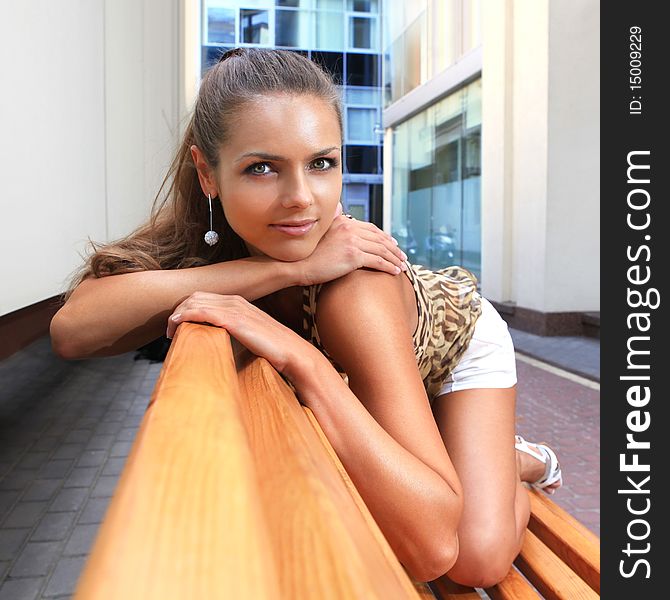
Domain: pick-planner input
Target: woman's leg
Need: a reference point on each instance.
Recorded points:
(477, 426)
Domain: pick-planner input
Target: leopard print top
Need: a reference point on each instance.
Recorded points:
(448, 306)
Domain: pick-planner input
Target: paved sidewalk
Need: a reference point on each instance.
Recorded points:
(66, 429)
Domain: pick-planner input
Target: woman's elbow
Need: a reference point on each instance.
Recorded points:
(63, 343)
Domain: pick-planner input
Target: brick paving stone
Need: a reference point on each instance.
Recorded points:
(114, 466)
(21, 589)
(42, 489)
(7, 500)
(68, 451)
(78, 436)
(120, 449)
(36, 559)
(33, 460)
(81, 539)
(81, 477)
(92, 458)
(127, 434)
(101, 442)
(25, 514)
(53, 527)
(57, 468)
(47, 443)
(18, 479)
(105, 486)
(11, 541)
(69, 499)
(65, 576)
(4, 566)
(94, 511)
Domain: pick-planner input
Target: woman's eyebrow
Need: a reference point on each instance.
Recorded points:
(276, 157)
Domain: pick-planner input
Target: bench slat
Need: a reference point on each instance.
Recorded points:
(513, 587)
(185, 517)
(578, 547)
(546, 571)
(321, 539)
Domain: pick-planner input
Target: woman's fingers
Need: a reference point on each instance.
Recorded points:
(377, 255)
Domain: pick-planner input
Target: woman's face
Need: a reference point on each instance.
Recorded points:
(279, 177)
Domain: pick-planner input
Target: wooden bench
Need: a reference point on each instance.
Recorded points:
(231, 490)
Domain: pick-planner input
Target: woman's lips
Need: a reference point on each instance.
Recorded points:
(298, 229)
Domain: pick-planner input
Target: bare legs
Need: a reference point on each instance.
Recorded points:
(477, 427)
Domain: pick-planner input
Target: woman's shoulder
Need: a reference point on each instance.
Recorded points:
(367, 294)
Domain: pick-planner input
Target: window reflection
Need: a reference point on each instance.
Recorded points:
(220, 26)
(436, 184)
(254, 27)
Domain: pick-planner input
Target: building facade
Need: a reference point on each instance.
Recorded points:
(344, 36)
(492, 149)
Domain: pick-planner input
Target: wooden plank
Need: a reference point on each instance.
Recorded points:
(549, 574)
(578, 547)
(513, 587)
(449, 590)
(186, 519)
(384, 546)
(322, 543)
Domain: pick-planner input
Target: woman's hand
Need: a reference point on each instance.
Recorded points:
(349, 245)
(290, 354)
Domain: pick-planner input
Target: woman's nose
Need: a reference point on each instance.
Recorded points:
(296, 193)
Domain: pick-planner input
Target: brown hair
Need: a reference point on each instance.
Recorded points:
(173, 237)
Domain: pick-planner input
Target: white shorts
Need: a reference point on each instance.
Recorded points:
(488, 361)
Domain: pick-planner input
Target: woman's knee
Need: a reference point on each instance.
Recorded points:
(485, 556)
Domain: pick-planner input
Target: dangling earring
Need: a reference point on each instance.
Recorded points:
(211, 237)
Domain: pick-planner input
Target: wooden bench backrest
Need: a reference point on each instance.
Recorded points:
(231, 490)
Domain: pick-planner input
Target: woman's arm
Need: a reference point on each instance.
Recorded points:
(386, 437)
(110, 315)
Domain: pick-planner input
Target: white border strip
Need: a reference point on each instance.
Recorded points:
(594, 385)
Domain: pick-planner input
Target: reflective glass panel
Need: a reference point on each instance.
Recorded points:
(293, 28)
(254, 27)
(362, 5)
(220, 26)
(333, 62)
(329, 31)
(362, 96)
(362, 69)
(361, 159)
(363, 33)
(361, 124)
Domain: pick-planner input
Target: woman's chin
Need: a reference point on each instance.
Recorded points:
(292, 253)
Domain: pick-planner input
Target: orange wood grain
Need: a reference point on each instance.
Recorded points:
(186, 519)
(513, 587)
(320, 538)
(549, 574)
(578, 547)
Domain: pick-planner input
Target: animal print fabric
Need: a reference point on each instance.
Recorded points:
(448, 306)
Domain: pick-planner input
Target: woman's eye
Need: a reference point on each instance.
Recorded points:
(321, 164)
(259, 169)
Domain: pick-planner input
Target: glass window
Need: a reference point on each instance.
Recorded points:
(361, 159)
(220, 26)
(294, 3)
(362, 96)
(210, 56)
(254, 27)
(436, 182)
(363, 33)
(361, 124)
(362, 69)
(362, 5)
(329, 31)
(333, 62)
(293, 28)
(329, 4)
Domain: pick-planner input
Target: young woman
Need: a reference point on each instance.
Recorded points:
(425, 424)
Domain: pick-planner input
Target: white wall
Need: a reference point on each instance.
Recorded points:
(540, 154)
(89, 115)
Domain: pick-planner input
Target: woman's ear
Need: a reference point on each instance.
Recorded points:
(205, 173)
